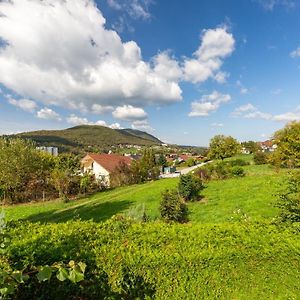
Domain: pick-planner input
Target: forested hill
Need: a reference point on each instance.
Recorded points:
(82, 137)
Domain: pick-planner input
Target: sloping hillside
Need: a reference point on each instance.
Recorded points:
(88, 136)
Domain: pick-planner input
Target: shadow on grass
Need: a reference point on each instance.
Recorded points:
(97, 212)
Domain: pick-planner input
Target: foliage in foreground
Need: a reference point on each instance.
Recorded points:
(12, 279)
(127, 260)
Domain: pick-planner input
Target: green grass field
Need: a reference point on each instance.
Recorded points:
(251, 197)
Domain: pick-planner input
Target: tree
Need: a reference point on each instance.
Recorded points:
(173, 207)
(189, 187)
(161, 161)
(221, 147)
(251, 146)
(287, 153)
(24, 170)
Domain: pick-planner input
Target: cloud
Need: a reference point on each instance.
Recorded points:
(216, 44)
(166, 66)
(249, 111)
(91, 64)
(295, 53)
(93, 70)
(129, 113)
(271, 4)
(142, 125)
(289, 116)
(243, 109)
(217, 125)
(243, 90)
(76, 120)
(208, 104)
(258, 115)
(100, 109)
(48, 114)
(137, 9)
(221, 77)
(24, 104)
(115, 126)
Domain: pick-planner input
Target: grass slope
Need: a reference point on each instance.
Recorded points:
(89, 136)
(225, 200)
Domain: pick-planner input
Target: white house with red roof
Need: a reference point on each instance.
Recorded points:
(102, 165)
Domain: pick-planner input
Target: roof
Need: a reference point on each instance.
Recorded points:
(109, 161)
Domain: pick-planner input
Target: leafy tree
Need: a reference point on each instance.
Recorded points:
(24, 170)
(189, 187)
(162, 161)
(251, 146)
(173, 207)
(221, 147)
(287, 153)
(289, 200)
(63, 175)
(190, 162)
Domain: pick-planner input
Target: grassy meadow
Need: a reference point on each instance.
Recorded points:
(251, 197)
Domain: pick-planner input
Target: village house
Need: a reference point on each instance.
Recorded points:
(267, 146)
(102, 165)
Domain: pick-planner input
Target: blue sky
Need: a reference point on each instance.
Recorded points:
(183, 71)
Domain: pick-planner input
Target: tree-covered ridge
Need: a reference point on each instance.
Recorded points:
(89, 136)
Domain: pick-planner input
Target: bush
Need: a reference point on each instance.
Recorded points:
(289, 200)
(260, 158)
(189, 187)
(238, 172)
(172, 207)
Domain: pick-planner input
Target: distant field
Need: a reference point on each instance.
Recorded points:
(224, 200)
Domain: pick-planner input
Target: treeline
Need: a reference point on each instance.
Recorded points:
(286, 153)
(28, 174)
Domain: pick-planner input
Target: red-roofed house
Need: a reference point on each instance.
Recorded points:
(102, 165)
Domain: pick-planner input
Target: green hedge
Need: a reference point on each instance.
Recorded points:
(127, 260)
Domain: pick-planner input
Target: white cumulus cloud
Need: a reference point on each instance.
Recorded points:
(208, 104)
(71, 59)
(48, 114)
(142, 125)
(24, 104)
(91, 64)
(129, 113)
(216, 44)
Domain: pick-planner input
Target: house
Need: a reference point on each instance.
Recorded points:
(102, 165)
(267, 146)
(169, 170)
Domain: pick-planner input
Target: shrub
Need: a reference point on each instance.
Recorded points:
(238, 172)
(260, 158)
(189, 187)
(172, 207)
(289, 200)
